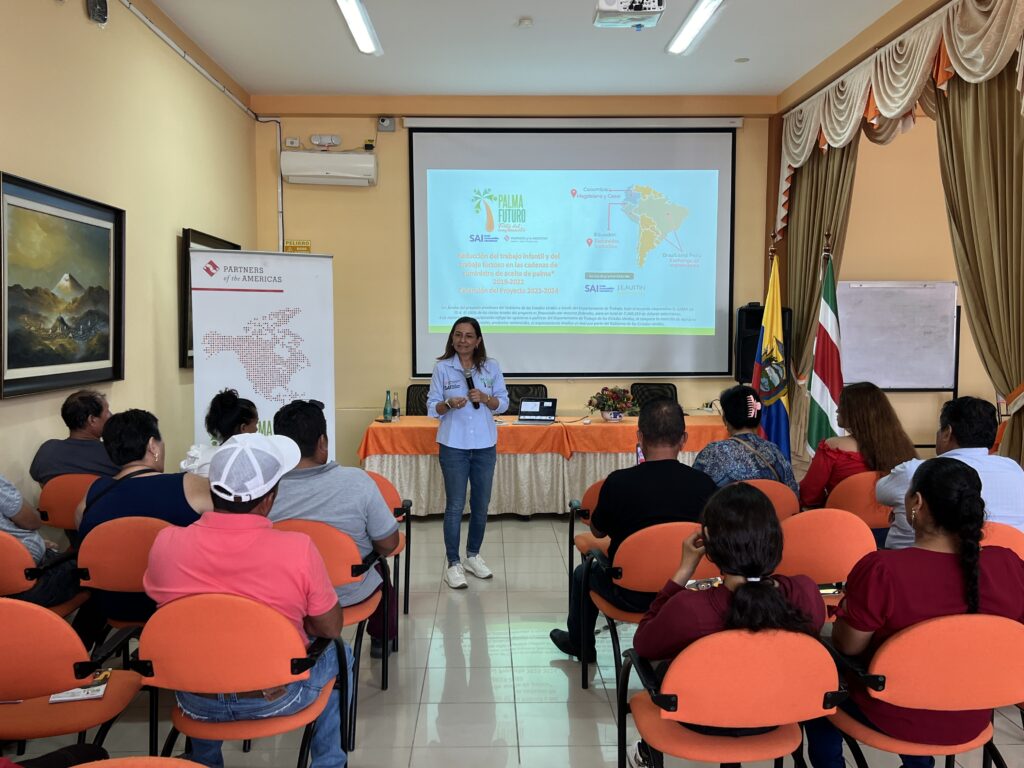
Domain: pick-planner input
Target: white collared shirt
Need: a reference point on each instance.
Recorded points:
(1002, 489)
(466, 428)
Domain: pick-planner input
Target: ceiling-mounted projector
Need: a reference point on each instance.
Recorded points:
(622, 14)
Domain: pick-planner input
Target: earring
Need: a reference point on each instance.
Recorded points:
(913, 516)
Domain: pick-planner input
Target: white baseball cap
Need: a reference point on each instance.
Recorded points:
(248, 466)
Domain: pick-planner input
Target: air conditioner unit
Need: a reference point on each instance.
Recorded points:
(354, 169)
(638, 14)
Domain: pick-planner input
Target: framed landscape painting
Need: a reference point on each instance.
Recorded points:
(192, 239)
(63, 289)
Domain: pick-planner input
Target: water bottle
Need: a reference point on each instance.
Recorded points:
(396, 408)
(387, 407)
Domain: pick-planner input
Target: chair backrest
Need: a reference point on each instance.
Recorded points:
(857, 494)
(38, 652)
(970, 661)
(649, 557)
(516, 393)
(219, 643)
(742, 679)
(416, 399)
(824, 544)
(338, 550)
(115, 554)
(781, 496)
(387, 490)
(59, 498)
(589, 501)
(645, 391)
(1003, 535)
(14, 559)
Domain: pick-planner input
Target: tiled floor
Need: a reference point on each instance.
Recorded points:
(477, 682)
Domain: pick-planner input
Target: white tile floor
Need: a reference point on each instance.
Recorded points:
(477, 682)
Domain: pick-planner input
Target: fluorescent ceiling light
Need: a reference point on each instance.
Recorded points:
(695, 23)
(360, 26)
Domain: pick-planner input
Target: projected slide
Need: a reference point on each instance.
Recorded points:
(612, 252)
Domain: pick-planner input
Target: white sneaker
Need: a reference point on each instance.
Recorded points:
(456, 577)
(478, 567)
(637, 755)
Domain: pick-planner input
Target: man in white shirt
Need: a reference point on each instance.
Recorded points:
(967, 429)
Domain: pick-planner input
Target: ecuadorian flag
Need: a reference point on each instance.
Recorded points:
(770, 378)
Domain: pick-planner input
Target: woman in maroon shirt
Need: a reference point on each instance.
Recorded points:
(945, 573)
(876, 442)
(741, 535)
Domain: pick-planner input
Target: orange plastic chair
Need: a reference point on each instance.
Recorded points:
(732, 679)
(402, 510)
(781, 496)
(59, 498)
(40, 654)
(346, 566)
(824, 544)
(1003, 535)
(205, 644)
(643, 562)
(857, 494)
(914, 669)
(140, 762)
(18, 572)
(586, 541)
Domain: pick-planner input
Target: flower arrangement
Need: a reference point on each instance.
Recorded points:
(613, 399)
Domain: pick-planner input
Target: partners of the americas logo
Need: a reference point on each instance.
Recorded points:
(511, 210)
(211, 268)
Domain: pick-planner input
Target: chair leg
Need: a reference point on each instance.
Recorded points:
(169, 742)
(101, 734)
(572, 552)
(584, 595)
(386, 597)
(855, 750)
(154, 719)
(990, 751)
(408, 561)
(798, 753)
(82, 736)
(20, 749)
(357, 646)
(341, 683)
(621, 696)
(778, 762)
(397, 593)
(615, 649)
(247, 745)
(307, 735)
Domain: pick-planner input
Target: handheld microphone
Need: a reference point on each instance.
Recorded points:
(470, 384)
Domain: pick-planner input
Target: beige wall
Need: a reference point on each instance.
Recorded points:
(898, 231)
(367, 231)
(116, 116)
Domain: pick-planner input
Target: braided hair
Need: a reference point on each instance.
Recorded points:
(952, 491)
(744, 538)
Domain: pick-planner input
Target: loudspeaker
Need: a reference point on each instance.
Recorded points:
(97, 10)
(748, 329)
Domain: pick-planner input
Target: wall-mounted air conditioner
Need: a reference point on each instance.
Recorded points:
(355, 169)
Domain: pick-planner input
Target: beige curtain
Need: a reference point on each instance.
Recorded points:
(819, 203)
(981, 152)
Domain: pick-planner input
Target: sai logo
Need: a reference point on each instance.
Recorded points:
(211, 268)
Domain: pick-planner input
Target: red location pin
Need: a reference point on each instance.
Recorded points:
(572, 192)
(590, 241)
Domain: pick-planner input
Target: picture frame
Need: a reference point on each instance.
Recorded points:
(62, 261)
(192, 238)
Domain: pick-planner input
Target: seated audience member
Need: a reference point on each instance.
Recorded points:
(745, 455)
(661, 490)
(343, 497)
(967, 428)
(234, 550)
(945, 573)
(140, 489)
(58, 583)
(228, 415)
(81, 452)
(875, 442)
(740, 533)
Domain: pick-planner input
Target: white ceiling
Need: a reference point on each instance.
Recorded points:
(472, 47)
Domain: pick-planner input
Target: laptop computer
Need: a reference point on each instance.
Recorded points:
(537, 410)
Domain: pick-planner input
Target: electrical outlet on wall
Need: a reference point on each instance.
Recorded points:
(292, 143)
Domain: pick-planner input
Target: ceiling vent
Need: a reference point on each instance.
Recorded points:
(623, 14)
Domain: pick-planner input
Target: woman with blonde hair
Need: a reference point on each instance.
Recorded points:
(875, 441)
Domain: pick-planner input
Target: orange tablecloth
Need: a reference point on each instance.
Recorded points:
(417, 435)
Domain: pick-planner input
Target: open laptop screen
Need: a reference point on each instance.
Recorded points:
(537, 410)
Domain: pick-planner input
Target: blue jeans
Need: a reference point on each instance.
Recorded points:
(326, 743)
(459, 467)
(825, 742)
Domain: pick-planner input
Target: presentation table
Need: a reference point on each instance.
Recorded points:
(539, 468)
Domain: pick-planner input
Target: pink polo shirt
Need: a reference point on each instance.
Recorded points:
(241, 554)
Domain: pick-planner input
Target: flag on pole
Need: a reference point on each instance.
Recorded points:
(770, 378)
(826, 371)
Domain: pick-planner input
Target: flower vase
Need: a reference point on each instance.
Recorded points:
(611, 415)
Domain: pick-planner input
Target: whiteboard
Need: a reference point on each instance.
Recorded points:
(898, 335)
